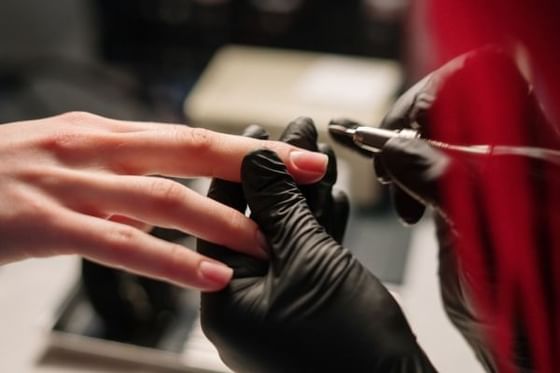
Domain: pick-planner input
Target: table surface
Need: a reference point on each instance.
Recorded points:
(30, 292)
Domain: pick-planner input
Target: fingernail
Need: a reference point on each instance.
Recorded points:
(215, 272)
(263, 243)
(309, 161)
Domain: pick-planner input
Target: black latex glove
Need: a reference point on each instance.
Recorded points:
(313, 307)
(410, 111)
(414, 110)
(420, 175)
(329, 205)
(427, 175)
(423, 172)
(420, 170)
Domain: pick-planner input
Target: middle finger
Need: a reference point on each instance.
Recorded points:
(159, 202)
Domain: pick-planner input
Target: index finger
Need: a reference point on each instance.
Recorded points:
(182, 151)
(176, 150)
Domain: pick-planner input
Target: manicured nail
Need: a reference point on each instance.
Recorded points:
(309, 161)
(215, 272)
(263, 243)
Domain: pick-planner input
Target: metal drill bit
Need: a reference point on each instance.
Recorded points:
(373, 139)
(370, 138)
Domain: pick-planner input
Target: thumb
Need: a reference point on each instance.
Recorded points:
(278, 206)
(416, 167)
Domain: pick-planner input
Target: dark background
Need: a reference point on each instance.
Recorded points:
(138, 59)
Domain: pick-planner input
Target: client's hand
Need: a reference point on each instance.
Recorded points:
(82, 184)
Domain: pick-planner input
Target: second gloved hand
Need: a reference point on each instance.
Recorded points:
(473, 194)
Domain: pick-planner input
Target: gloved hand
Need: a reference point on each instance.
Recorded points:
(313, 307)
(476, 255)
(476, 194)
(445, 87)
(410, 111)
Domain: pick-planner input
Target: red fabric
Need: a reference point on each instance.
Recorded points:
(457, 26)
(488, 105)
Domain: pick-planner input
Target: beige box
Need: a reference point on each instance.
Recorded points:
(244, 85)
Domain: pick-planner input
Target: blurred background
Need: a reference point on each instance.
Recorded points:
(219, 64)
(153, 51)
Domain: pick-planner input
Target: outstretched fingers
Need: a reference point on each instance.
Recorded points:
(122, 246)
(156, 201)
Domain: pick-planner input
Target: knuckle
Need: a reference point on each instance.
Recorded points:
(121, 236)
(277, 147)
(166, 191)
(67, 142)
(236, 221)
(173, 263)
(199, 140)
(71, 144)
(77, 117)
(62, 141)
(69, 136)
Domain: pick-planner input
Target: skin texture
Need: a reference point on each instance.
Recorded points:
(313, 307)
(83, 184)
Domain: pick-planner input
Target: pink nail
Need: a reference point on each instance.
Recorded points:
(309, 161)
(216, 273)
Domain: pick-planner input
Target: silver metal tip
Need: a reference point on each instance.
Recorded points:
(337, 129)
